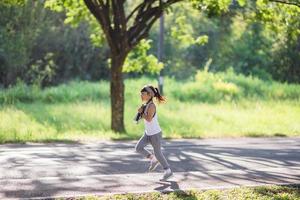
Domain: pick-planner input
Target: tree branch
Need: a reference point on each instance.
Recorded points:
(145, 18)
(144, 32)
(141, 6)
(119, 38)
(101, 13)
(286, 2)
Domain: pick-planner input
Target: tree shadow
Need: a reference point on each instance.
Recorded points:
(197, 160)
(173, 185)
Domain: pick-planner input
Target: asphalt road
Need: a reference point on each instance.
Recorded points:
(105, 167)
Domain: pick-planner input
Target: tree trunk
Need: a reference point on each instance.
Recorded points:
(117, 93)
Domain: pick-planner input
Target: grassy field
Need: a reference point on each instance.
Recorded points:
(208, 105)
(254, 193)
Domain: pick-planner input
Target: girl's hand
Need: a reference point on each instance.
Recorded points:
(140, 110)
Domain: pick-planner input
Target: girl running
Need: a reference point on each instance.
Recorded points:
(153, 132)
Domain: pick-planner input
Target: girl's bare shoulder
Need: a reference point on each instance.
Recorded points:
(152, 106)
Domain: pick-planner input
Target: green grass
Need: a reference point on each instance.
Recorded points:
(242, 193)
(212, 105)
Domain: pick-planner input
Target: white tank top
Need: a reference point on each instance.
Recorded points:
(152, 127)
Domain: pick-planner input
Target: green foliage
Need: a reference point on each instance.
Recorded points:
(75, 10)
(213, 7)
(258, 38)
(76, 13)
(17, 36)
(42, 70)
(186, 40)
(66, 53)
(9, 3)
(283, 25)
(139, 61)
(183, 33)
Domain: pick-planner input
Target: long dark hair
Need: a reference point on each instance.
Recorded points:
(157, 95)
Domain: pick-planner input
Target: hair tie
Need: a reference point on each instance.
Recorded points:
(156, 91)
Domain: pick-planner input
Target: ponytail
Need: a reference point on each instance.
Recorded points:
(158, 96)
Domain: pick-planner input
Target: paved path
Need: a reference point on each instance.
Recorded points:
(54, 170)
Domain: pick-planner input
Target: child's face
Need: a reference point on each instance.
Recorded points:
(145, 96)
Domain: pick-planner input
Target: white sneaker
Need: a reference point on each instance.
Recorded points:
(168, 173)
(153, 164)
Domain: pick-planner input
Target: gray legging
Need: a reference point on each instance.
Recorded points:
(155, 141)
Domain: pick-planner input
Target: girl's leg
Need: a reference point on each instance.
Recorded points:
(155, 141)
(140, 146)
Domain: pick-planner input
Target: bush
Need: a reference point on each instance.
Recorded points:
(70, 92)
(205, 87)
(229, 86)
